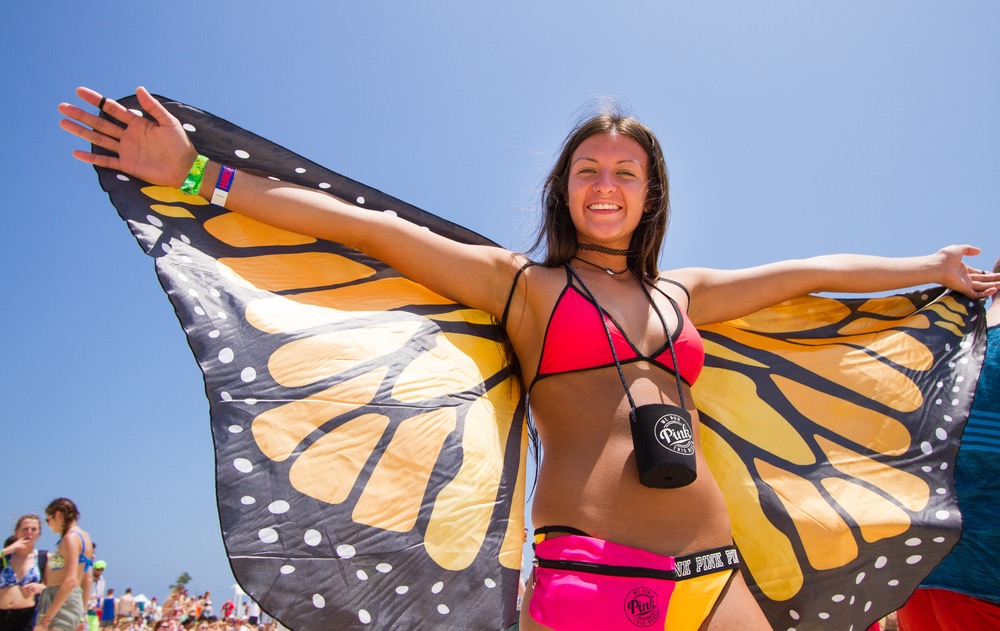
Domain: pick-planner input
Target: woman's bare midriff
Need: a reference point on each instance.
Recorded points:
(588, 478)
(13, 598)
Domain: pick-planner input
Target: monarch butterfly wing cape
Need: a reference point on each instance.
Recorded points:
(369, 438)
(370, 442)
(832, 426)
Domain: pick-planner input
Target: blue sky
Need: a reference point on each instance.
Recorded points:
(791, 129)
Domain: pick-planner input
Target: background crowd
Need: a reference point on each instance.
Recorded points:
(28, 573)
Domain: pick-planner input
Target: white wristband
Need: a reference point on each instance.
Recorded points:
(225, 182)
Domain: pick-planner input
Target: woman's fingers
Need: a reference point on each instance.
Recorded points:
(983, 283)
(107, 162)
(102, 140)
(112, 110)
(100, 124)
(98, 130)
(89, 96)
(150, 144)
(154, 107)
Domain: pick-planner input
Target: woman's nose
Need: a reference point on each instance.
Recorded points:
(605, 183)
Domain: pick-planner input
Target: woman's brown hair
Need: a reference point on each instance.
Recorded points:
(24, 518)
(67, 508)
(557, 230)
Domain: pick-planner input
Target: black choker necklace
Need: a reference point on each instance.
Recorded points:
(602, 249)
(610, 271)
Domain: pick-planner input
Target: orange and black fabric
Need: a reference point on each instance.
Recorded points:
(370, 439)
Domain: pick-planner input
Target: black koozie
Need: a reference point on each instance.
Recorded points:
(663, 438)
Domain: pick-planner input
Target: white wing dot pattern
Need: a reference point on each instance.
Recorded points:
(369, 436)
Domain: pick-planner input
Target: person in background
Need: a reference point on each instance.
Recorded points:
(97, 586)
(152, 612)
(125, 607)
(108, 609)
(963, 592)
(21, 570)
(207, 610)
(253, 613)
(67, 575)
(173, 606)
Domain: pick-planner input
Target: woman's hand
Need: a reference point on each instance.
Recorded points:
(155, 151)
(957, 275)
(17, 546)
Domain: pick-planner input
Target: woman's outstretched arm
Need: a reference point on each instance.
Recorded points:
(157, 150)
(718, 295)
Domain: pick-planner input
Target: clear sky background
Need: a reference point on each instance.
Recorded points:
(791, 128)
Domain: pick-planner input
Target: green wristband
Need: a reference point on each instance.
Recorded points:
(192, 184)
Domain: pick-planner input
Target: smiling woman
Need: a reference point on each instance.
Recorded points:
(607, 189)
(658, 548)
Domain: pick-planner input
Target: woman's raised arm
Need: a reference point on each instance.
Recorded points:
(718, 295)
(157, 150)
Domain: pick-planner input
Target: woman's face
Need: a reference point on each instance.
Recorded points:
(29, 529)
(55, 521)
(607, 188)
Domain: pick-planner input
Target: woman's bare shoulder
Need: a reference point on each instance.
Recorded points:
(675, 286)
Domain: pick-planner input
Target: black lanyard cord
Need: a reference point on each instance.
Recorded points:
(670, 342)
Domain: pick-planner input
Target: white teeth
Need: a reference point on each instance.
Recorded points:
(604, 207)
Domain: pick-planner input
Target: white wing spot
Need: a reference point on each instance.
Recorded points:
(268, 535)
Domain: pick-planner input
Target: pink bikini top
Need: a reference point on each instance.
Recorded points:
(575, 340)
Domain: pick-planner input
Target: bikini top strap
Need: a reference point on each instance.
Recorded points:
(670, 339)
(614, 353)
(83, 558)
(510, 295)
(604, 321)
(674, 282)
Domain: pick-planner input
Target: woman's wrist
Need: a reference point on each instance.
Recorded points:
(939, 268)
(212, 170)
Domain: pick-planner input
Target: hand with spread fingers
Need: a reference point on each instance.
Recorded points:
(958, 275)
(157, 151)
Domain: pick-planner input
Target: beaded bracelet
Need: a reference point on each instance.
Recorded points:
(192, 184)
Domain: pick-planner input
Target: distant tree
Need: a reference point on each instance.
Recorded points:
(182, 580)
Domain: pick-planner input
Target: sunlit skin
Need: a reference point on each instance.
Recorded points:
(22, 549)
(71, 575)
(606, 191)
(587, 478)
(588, 470)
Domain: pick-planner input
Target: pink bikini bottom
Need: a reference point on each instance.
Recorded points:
(582, 583)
